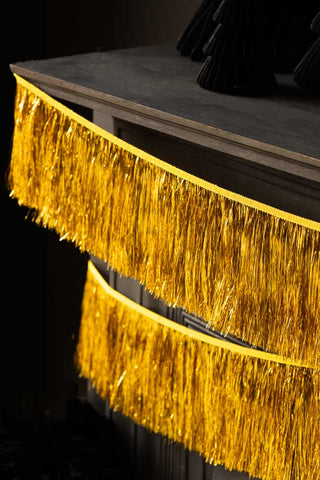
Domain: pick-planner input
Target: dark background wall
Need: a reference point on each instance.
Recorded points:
(42, 278)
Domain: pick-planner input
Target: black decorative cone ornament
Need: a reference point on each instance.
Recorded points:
(240, 49)
(198, 31)
(307, 72)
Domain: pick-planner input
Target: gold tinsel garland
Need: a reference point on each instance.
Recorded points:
(245, 409)
(246, 268)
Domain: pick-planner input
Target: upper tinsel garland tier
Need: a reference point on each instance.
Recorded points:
(248, 269)
(249, 410)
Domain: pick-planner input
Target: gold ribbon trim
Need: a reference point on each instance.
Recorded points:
(248, 410)
(166, 167)
(246, 268)
(201, 337)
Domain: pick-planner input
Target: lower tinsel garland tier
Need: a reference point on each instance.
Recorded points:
(246, 409)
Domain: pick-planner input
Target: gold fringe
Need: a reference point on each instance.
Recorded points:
(247, 268)
(247, 413)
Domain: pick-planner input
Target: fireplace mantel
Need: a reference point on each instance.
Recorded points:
(265, 148)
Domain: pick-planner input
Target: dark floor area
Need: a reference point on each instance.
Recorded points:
(78, 444)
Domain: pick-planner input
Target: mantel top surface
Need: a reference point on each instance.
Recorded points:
(158, 77)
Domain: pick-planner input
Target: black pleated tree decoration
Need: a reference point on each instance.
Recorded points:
(307, 72)
(192, 41)
(239, 54)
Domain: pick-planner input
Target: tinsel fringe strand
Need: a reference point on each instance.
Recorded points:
(246, 268)
(247, 413)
